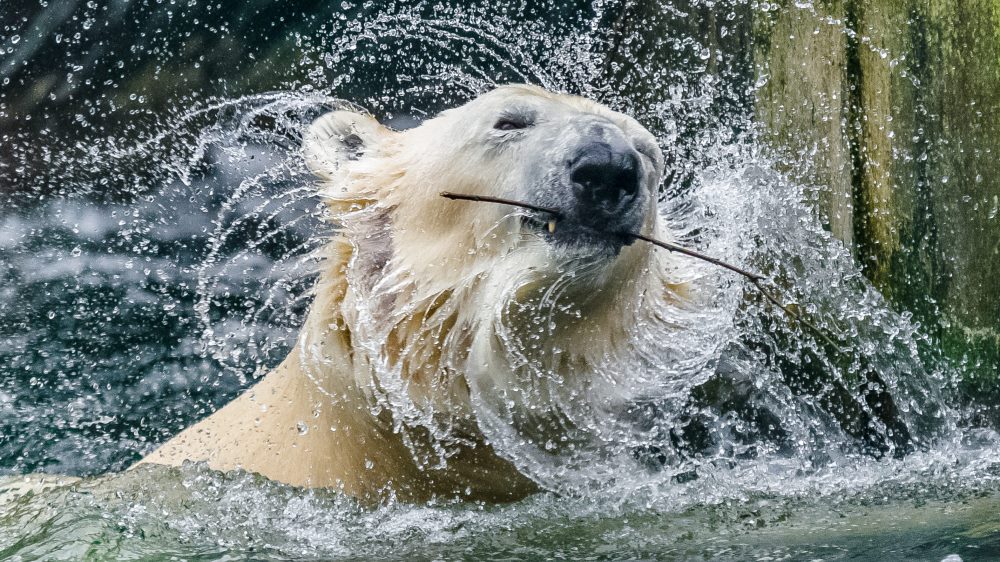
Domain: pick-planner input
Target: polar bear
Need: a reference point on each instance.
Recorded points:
(421, 299)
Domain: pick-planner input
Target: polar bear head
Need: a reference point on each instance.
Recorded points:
(599, 168)
(449, 304)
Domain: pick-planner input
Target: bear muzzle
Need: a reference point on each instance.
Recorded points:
(605, 178)
(597, 192)
(605, 199)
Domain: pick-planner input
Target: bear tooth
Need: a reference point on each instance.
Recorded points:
(552, 227)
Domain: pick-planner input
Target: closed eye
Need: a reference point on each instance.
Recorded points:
(514, 121)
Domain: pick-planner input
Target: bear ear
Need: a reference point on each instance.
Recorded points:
(340, 137)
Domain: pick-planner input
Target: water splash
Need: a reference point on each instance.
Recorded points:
(163, 268)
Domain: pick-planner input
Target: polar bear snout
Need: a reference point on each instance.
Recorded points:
(604, 188)
(606, 178)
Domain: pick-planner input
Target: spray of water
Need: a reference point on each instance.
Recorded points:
(152, 275)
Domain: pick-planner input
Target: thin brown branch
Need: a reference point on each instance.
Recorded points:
(755, 277)
(797, 317)
(485, 199)
(556, 213)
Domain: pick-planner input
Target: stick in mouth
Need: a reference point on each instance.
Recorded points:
(556, 215)
(755, 278)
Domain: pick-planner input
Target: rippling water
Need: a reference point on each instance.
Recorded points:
(898, 512)
(153, 274)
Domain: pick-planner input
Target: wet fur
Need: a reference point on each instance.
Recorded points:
(423, 302)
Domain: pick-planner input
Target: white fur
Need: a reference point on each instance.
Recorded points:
(438, 323)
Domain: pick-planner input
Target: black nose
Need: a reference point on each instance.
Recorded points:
(605, 178)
